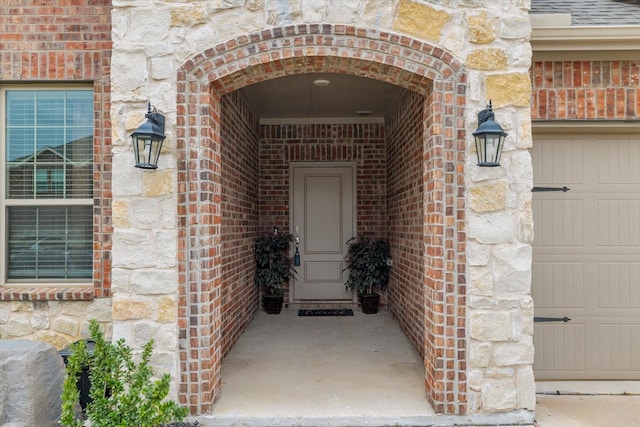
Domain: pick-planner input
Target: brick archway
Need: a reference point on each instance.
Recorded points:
(276, 52)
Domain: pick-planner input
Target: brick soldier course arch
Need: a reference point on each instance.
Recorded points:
(281, 51)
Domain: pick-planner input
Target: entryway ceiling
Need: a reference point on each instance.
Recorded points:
(346, 96)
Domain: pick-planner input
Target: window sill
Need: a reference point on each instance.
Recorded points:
(84, 293)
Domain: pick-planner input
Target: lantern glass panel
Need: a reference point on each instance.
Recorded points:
(147, 151)
(492, 147)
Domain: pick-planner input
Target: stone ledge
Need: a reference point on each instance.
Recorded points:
(84, 293)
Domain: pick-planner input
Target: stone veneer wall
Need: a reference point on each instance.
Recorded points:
(183, 57)
(581, 90)
(239, 151)
(405, 204)
(478, 224)
(63, 43)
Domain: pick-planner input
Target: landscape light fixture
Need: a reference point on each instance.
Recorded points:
(489, 138)
(147, 140)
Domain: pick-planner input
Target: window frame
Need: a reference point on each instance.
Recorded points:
(6, 203)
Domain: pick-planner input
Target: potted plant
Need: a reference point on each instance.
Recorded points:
(274, 268)
(368, 262)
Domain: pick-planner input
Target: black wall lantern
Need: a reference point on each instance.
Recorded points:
(147, 140)
(489, 138)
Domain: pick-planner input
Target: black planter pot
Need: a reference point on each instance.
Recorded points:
(369, 303)
(272, 304)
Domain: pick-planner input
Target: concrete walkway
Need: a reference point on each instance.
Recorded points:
(288, 370)
(588, 411)
(588, 404)
(359, 370)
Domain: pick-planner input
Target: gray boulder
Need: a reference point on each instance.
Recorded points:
(31, 378)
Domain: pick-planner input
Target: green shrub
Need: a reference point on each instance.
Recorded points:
(122, 392)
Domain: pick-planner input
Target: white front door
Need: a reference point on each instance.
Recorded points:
(323, 220)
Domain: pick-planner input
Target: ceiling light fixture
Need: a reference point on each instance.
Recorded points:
(321, 82)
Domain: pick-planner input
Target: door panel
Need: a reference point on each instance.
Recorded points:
(586, 257)
(323, 220)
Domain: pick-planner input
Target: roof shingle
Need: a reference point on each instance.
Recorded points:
(592, 12)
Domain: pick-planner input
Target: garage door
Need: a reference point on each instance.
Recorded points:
(586, 257)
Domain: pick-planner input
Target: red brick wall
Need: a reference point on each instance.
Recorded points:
(239, 175)
(581, 90)
(199, 246)
(445, 247)
(65, 41)
(360, 143)
(406, 209)
(402, 60)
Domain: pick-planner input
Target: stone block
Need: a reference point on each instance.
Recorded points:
(129, 309)
(478, 254)
(167, 309)
(347, 10)
(519, 28)
(144, 214)
(5, 311)
(100, 310)
(120, 212)
(509, 89)
(492, 325)
(420, 20)
(488, 59)
(59, 341)
(488, 198)
(131, 249)
(481, 281)
(154, 282)
(499, 395)
(482, 29)
(492, 227)
(513, 269)
(127, 182)
(168, 208)
(32, 375)
(159, 183)
(165, 252)
(508, 354)
(143, 332)
(480, 354)
(67, 326)
(526, 388)
(187, 17)
(19, 325)
(378, 12)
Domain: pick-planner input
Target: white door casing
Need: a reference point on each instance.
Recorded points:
(323, 219)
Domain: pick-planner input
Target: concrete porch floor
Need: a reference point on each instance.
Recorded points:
(359, 370)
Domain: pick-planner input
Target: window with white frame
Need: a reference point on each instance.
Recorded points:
(47, 193)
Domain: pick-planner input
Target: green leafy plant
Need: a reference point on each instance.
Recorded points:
(122, 393)
(369, 263)
(274, 265)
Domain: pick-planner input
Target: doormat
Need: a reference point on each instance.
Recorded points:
(326, 312)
